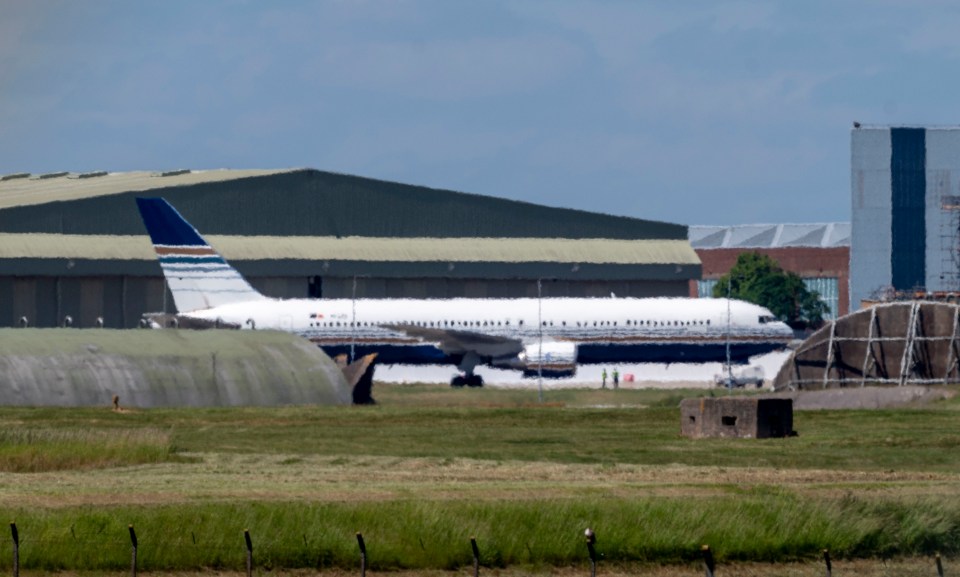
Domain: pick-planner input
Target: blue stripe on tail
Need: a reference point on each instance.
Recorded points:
(165, 225)
(196, 274)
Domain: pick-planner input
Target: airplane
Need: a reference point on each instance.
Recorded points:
(546, 337)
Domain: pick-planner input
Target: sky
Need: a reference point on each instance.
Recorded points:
(694, 112)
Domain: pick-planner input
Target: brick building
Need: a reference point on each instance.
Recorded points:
(736, 417)
(819, 253)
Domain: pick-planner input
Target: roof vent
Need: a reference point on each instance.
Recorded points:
(52, 175)
(15, 175)
(175, 172)
(92, 174)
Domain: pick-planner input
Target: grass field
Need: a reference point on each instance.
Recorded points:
(430, 467)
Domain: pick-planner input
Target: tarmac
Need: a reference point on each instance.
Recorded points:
(686, 377)
(632, 376)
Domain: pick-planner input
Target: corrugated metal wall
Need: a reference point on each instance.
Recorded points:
(870, 240)
(47, 301)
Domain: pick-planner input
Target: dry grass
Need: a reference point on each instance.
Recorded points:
(229, 477)
(524, 480)
(30, 450)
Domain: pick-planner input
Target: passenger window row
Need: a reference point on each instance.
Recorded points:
(633, 323)
(414, 323)
(507, 323)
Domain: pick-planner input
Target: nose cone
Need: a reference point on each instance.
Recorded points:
(784, 329)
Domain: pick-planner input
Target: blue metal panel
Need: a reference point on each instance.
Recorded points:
(908, 183)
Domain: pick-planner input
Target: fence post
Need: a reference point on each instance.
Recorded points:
(476, 556)
(246, 538)
(708, 563)
(826, 561)
(939, 566)
(591, 539)
(133, 552)
(16, 549)
(363, 555)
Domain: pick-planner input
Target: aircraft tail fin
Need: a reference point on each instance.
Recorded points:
(198, 277)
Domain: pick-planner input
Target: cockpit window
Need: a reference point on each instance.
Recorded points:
(764, 319)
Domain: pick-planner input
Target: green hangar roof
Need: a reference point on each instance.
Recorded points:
(300, 202)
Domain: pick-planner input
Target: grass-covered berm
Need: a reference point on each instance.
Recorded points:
(430, 467)
(165, 368)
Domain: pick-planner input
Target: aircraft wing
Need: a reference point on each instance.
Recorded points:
(454, 342)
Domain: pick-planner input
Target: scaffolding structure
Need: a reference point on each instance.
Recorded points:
(901, 343)
(950, 243)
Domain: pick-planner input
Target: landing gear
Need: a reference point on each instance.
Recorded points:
(470, 380)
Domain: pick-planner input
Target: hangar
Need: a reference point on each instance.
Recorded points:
(73, 249)
(898, 343)
(818, 253)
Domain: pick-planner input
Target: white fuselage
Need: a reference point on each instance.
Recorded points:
(623, 326)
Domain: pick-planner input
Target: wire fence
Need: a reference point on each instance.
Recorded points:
(592, 555)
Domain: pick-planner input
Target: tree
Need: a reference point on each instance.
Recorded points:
(759, 279)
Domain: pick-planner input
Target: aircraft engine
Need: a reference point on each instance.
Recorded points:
(173, 321)
(551, 359)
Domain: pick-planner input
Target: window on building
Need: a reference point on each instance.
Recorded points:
(829, 290)
(705, 288)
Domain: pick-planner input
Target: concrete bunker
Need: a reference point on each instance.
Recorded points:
(736, 417)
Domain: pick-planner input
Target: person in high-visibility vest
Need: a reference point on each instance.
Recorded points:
(616, 379)
(604, 375)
